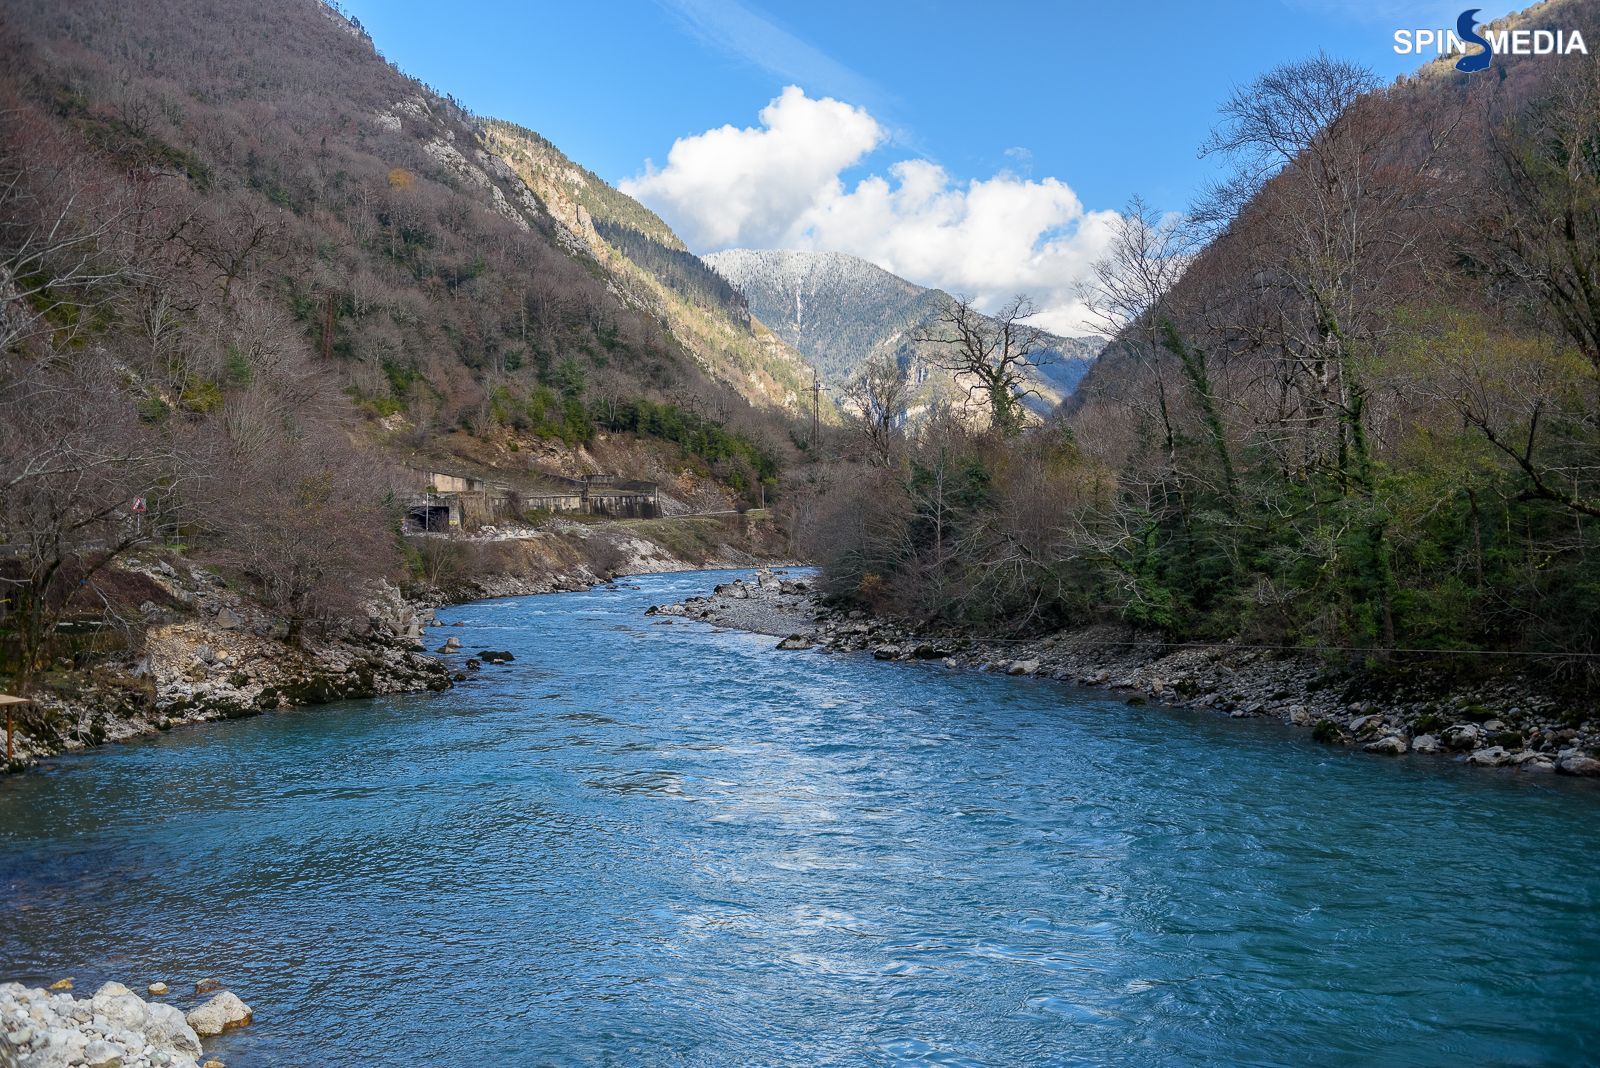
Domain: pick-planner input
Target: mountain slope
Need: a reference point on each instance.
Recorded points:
(423, 269)
(652, 269)
(840, 311)
(832, 307)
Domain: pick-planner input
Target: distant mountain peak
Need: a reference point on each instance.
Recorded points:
(840, 310)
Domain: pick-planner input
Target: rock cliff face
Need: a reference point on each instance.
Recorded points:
(840, 311)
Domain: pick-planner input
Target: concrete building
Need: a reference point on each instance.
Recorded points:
(444, 501)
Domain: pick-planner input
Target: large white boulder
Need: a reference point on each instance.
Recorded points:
(120, 1006)
(221, 1013)
(166, 1028)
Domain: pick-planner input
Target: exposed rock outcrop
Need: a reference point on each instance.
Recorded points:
(207, 652)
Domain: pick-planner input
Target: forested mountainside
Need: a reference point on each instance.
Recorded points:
(653, 268)
(418, 264)
(249, 270)
(1351, 406)
(842, 312)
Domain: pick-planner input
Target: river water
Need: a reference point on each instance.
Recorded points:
(654, 843)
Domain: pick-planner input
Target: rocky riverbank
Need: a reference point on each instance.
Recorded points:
(1504, 722)
(566, 555)
(198, 649)
(113, 1028)
(189, 647)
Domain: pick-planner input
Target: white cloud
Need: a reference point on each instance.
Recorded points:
(732, 186)
(778, 185)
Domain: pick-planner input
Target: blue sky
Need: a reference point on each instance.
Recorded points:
(1107, 99)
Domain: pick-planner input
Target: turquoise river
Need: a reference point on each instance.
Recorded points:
(648, 842)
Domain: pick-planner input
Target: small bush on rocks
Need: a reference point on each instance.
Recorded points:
(1327, 732)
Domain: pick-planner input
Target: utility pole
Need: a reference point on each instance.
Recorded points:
(816, 408)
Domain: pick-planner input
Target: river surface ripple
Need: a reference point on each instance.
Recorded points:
(652, 843)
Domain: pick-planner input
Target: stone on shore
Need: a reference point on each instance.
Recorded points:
(1426, 743)
(167, 1028)
(99, 1053)
(1490, 757)
(222, 1013)
(1579, 764)
(1389, 744)
(112, 1029)
(796, 641)
(120, 1006)
(1368, 724)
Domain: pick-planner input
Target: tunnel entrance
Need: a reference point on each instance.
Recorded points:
(431, 517)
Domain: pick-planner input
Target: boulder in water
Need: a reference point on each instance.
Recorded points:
(1579, 764)
(1426, 743)
(1490, 757)
(222, 1013)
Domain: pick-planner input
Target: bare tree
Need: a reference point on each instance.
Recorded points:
(1329, 208)
(1131, 295)
(56, 216)
(1326, 205)
(876, 399)
(990, 355)
(305, 519)
(1546, 233)
(73, 460)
